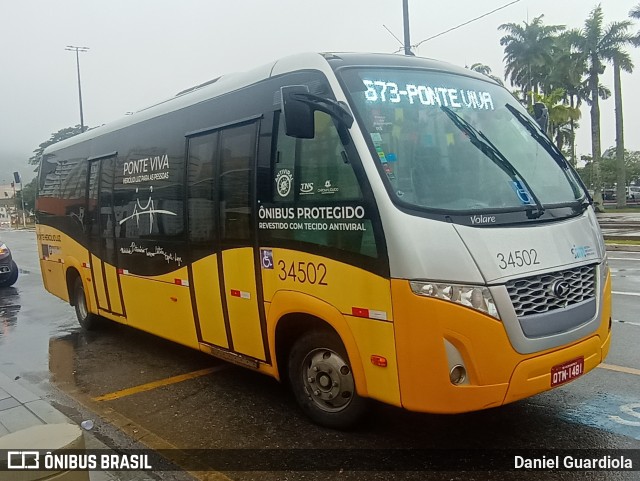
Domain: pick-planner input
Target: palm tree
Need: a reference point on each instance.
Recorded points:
(620, 160)
(485, 70)
(569, 67)
(598, 45)
(527, 53)
(635, 12)
(621, 61)
(561, 116)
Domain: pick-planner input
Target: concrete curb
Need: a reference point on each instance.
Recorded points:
(21, 410)
(50, 437)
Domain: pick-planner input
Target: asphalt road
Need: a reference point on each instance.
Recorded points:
(143, 391)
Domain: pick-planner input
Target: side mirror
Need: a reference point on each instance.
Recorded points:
(541, 114)
(298, 115)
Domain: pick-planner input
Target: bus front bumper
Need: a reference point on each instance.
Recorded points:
(496, 373)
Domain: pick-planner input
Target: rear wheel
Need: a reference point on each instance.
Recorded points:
(86, 319)
(322, 380)
(12, 277)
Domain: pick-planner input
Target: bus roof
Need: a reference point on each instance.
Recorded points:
(231, 82)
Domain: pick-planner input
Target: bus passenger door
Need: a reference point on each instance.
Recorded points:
(221, 239)
(92, 226)
(204, 266)
(101, 236)
(236, 164)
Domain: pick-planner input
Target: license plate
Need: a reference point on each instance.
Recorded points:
(567, 371)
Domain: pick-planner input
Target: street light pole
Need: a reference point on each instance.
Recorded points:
(77, 50)
(17, 179)
(405, 18)
(24, 219)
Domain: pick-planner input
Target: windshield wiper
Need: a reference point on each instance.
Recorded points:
(537, 135)
(549, 146)
(481, 141)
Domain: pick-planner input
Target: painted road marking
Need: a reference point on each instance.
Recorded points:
(627, 322)
(161, 382)
(141, 435)
(624, 259)
(626, 293)
(629, 410)
(611, 412)
(626, 370)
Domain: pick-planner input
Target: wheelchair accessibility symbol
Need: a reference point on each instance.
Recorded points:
(522, 192)
(266, 258)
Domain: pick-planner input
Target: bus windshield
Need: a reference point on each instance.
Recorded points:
(454, 143)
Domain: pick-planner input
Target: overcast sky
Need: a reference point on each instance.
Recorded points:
(143, 51)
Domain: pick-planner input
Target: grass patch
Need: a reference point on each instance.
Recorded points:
(627, 242)
(628, 209)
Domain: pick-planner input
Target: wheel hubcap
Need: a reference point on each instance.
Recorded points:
(328, 380)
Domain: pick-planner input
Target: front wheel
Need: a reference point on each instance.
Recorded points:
(86, 319)
(322, 381)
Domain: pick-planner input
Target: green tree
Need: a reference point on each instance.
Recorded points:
(569, 67)
(28, 193)
(632, 163)
(598, 44)
(560, 116)
(58, 136)
(635, 13)
(486, 70)
(528, 51)
(608, 168)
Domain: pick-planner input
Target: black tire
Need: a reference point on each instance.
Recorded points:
(86, 319)
(322, 381)
(12, 277)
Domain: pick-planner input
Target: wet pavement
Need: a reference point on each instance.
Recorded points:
(27, 398)
(142, 391)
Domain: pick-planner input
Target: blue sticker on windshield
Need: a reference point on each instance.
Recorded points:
(522, 192)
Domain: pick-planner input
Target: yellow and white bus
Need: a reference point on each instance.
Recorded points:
(358, 225)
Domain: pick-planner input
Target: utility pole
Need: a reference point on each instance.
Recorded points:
(15, 204)
(77, 50)
(18, 180)
(405, 18)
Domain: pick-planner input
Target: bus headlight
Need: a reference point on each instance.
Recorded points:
(475, 297)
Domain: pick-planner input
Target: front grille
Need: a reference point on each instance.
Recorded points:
(534, 295)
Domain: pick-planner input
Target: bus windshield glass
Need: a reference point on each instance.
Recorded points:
(454, 143)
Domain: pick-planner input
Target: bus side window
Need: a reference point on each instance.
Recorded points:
(92, 216)
(109, 228)
(317, 172)
(237, 156)
(201, 189)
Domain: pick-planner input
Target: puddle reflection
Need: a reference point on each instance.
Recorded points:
(64, 352)
(61, 358)
(9, 308)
